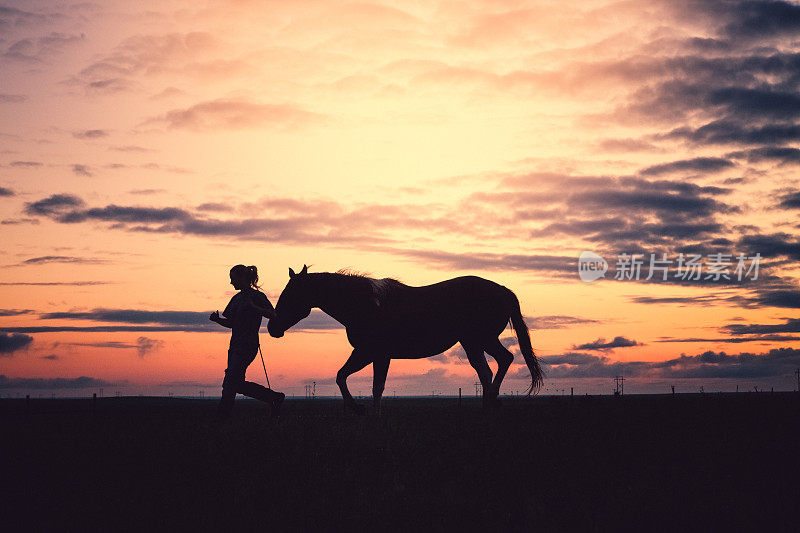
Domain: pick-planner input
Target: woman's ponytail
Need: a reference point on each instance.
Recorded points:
(253, 271)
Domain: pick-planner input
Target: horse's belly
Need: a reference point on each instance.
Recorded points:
(418, 344)
(403, 342)
(418, 350)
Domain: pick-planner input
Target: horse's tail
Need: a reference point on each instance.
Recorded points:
(524, 340)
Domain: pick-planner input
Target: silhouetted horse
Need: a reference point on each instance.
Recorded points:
(386, 319)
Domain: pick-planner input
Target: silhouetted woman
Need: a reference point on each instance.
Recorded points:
(243, 315)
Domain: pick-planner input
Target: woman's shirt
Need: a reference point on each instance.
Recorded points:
(245, 319)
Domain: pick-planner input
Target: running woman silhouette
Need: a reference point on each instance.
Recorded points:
(243, 315)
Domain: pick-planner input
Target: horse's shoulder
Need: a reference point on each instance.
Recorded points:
(384, 286)
(391, 283)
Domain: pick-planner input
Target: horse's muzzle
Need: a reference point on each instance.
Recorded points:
(274, 331)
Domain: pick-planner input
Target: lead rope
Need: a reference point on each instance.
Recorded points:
(265, 366)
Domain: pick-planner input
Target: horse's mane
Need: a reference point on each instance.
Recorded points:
(352, 273)
(380, 288)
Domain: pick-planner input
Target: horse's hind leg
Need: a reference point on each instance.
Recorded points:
(504, 359)
(478, 361)
(357, 360)
(380, 367)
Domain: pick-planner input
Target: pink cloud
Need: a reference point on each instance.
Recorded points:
(236, 114)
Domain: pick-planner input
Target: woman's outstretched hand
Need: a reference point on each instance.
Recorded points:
(224, 322)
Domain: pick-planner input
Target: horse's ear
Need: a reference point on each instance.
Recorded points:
(305, 269)
(291, 273)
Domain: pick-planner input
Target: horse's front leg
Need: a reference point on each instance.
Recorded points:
(357, 360)
(380, 367)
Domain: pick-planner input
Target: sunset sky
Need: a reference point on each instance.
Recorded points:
(147, 147)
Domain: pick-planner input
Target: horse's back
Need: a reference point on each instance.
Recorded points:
(461, 282)
(464, 290)
(426, 320)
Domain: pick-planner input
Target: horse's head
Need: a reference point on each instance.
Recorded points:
(294, 303)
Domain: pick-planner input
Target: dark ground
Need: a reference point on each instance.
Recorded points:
(649, 463)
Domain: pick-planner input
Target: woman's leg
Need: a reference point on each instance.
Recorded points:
(234, 382)
(259, 392)
(254, 390)
(234, 377)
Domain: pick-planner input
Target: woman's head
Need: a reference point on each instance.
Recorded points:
(244, 276)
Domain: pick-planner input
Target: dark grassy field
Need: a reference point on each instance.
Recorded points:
(599, 463)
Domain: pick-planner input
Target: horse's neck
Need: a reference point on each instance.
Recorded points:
(340, 297)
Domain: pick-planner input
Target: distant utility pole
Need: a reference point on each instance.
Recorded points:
(618, 385)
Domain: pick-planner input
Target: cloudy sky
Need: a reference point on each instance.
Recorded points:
(147, 147)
